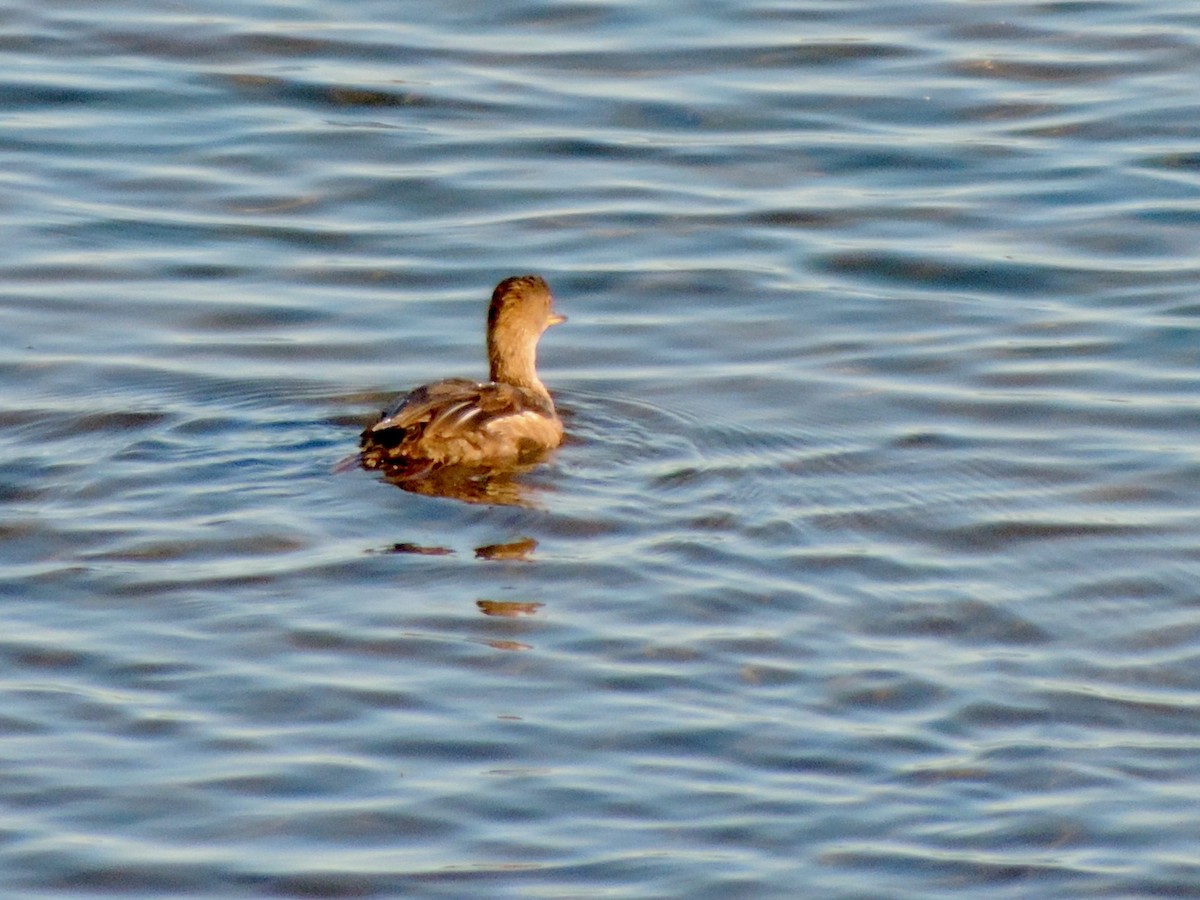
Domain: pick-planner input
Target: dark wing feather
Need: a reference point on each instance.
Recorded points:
(421, 404)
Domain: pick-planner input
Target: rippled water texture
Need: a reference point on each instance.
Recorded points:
(870, 568)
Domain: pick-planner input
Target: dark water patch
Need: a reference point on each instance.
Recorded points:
(71, 426)
(398, 646)
(33, 96)
(948, 868)
(1107, 709)
(1078, 71)
(1181, 161)
(666, 61)
(301, 780)
(65, 872)
(262, 88)
(994, 536)
(941, 274)
(869, 691)
(971, 621)
(238, 318)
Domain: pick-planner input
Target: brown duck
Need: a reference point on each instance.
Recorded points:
(506, 421)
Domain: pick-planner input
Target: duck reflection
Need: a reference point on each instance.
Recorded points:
(521, 548)
(508, 609)
(518, 549)
(499, 487)
(418, 549)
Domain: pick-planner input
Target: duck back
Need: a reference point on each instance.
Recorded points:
(463, 423)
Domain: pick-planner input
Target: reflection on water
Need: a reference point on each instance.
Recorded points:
(508, 608)
(871, 558)
(521, 548)
(501, 487)
(420, 550)
(518, 549)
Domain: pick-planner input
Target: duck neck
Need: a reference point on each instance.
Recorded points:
(516, 366)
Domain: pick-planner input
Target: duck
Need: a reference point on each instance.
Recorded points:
(504, 422)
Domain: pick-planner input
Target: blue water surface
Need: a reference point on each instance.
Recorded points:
(870, 567)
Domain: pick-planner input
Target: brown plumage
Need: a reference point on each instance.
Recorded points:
(507, 421)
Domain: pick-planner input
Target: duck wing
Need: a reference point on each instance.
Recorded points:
(462, 422)
(423, 404)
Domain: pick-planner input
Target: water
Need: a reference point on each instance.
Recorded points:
(869, 570)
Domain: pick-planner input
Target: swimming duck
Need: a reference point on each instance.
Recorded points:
(506, 421)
